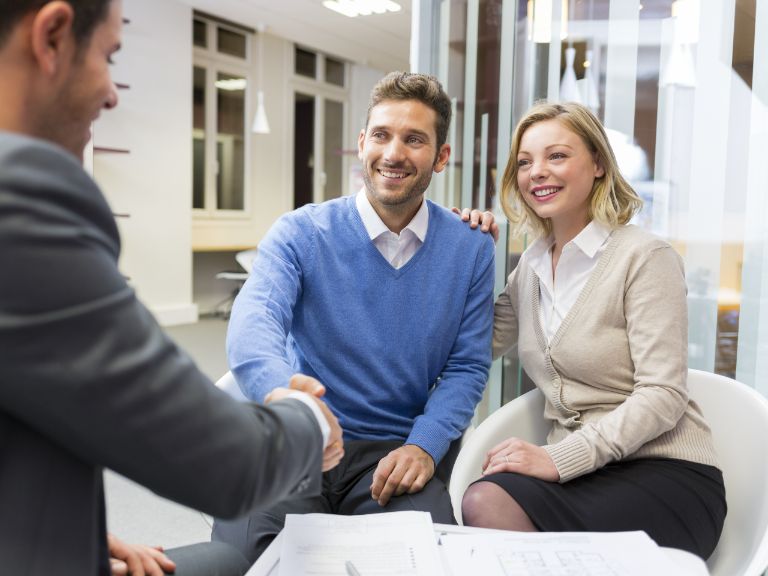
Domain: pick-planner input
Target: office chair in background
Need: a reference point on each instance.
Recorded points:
(244, 258)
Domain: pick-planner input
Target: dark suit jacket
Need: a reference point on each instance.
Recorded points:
(88, 380)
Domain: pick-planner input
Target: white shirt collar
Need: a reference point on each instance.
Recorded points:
(591, 238)
(589, 241)
(376, 227)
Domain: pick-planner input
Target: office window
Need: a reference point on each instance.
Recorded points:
(230, 141)
(321, 169)
(220, 136)
(334, 71)
(198, 137)
(681, 89)
(199, 33)
(231, 42)
(306, 63)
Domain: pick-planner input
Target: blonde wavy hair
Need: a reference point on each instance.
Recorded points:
(613, 202)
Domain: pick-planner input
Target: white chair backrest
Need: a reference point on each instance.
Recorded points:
(228, 384)
(738, 416)
(523, 417)
(245, 259)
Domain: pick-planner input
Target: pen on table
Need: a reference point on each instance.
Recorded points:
(351, 570)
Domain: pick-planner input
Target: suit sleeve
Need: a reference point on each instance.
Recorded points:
(85, 363)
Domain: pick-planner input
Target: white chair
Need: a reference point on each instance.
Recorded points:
(245, 259)
(738, 416)
(228, 384)
(523, 417)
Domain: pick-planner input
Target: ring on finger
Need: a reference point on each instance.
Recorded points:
(506, 458)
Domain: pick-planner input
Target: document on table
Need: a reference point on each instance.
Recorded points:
(555, 554)
(387, 544)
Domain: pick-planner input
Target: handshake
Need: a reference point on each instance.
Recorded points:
(334, 449)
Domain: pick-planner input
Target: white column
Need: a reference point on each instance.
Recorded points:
(752, 358)
(470, 82)
(708, 177)
(621, 66)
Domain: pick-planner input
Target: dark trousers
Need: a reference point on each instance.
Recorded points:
(346, 490)
(208, 559)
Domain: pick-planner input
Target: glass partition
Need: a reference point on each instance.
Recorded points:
(682, 88)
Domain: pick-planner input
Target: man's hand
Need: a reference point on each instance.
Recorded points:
(334, 450)
(515, 455)
(137, 560)
(486, 220)
(406, 469)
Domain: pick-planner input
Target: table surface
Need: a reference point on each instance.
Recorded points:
(687, 563)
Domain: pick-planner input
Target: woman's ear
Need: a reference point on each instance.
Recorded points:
(599, 170)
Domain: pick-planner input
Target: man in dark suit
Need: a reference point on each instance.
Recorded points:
(87, 378)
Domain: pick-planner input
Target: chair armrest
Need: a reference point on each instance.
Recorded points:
(523, 418)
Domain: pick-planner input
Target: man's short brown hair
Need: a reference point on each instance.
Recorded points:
(88, 13)
(410, 86)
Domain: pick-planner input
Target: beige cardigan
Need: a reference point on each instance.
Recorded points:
(614, 374)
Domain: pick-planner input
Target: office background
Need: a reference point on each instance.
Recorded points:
(681, 85)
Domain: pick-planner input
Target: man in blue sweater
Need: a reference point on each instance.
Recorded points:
(387, 299)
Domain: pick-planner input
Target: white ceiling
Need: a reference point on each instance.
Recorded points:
(380, 41)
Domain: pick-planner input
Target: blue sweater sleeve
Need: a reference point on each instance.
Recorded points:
(262, 314)
(451, 405)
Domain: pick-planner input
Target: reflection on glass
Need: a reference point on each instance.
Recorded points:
(453, 81)
(306, 63)
(230, 141)
(334, 72)
(334, 126)
(232, 43)
(199, 33)
(198, 138)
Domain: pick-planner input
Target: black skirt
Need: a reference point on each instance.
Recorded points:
(679, 504)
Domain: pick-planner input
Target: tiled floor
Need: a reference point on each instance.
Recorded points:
(137, 515)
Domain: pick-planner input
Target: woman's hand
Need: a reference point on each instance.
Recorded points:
(515, 455)
(486, 220)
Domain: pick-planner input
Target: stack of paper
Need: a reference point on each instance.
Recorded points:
(408, 544)
(390, 544)
(555, 554)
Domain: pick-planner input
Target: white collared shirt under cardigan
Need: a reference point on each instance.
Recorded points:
(614, 368)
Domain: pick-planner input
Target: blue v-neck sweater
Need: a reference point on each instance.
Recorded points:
(404, 353)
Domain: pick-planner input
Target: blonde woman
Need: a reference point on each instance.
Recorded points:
(597, 311)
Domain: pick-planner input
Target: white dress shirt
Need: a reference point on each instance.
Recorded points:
(398, 249)
(558, 293)
(307, 400)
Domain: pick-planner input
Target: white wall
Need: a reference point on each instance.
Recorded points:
(153, 183)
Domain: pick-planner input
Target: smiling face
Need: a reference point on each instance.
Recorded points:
(85, 86)
(555, 175)
(399, 152)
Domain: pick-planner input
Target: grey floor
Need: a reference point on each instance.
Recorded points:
(137, 515)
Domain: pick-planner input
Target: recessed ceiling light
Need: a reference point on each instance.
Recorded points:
(353, 8)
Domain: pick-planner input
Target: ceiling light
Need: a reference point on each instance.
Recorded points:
(353, 8)
(231, 84)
